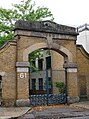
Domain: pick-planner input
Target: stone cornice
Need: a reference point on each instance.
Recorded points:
(45, 26)
(43, 35)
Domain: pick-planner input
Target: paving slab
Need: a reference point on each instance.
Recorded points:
(10, 112)
(27, 116)
(84, 104)
(58, 112)
(77, 110)
(86, 117)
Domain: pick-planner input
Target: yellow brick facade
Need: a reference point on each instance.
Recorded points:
(14, 61)
(83, 71)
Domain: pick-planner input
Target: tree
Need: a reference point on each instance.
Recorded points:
(7, 18)
(32, 57)
(26, 10)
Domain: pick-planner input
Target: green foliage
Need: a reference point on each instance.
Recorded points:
(5, 38)
(26, 10)
(60, 86)
(6, 25)
(32, 57)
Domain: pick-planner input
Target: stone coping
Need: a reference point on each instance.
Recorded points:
(6, 43)
(45, 26)
(85, 53)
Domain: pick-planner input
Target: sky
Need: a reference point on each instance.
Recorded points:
(66, 12)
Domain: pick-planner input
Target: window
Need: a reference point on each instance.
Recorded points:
(48, 62)
(40, 83)
(33, 84)
(40, 64)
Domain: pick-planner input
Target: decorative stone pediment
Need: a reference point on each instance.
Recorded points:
(45, 26)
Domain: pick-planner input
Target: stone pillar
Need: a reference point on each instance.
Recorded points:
(72, 82)
(22, 84)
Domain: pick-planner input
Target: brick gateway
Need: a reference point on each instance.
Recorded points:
(30, 36)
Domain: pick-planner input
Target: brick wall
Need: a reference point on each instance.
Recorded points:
(7, 65)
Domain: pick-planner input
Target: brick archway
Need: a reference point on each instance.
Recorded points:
(60, 49)
(30, 36)
(33, 36)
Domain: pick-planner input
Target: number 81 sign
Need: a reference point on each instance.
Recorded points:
(22, 75)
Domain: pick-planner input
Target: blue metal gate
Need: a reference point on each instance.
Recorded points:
(52, 99)
(47, 98)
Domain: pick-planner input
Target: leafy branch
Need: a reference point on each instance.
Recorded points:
(60, 86)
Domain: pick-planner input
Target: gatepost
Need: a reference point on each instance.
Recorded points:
(22, 84)
(72, 83)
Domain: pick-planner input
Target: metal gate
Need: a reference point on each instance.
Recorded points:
(52, 99)
(48, 98)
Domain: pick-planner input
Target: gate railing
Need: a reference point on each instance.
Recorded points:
(53, 99)
(46, 98)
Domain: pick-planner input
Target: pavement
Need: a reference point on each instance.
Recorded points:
(84, 104)
(13, 112)
(56, 112)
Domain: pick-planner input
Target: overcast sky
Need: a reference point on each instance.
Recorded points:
(67, 12)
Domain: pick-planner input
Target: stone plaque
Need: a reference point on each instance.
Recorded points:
(72, 70)
(20, 69)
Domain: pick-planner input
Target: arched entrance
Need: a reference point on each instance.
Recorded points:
(45, 76)
(55, 37)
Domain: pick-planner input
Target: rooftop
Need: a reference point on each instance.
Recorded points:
(83, 27)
